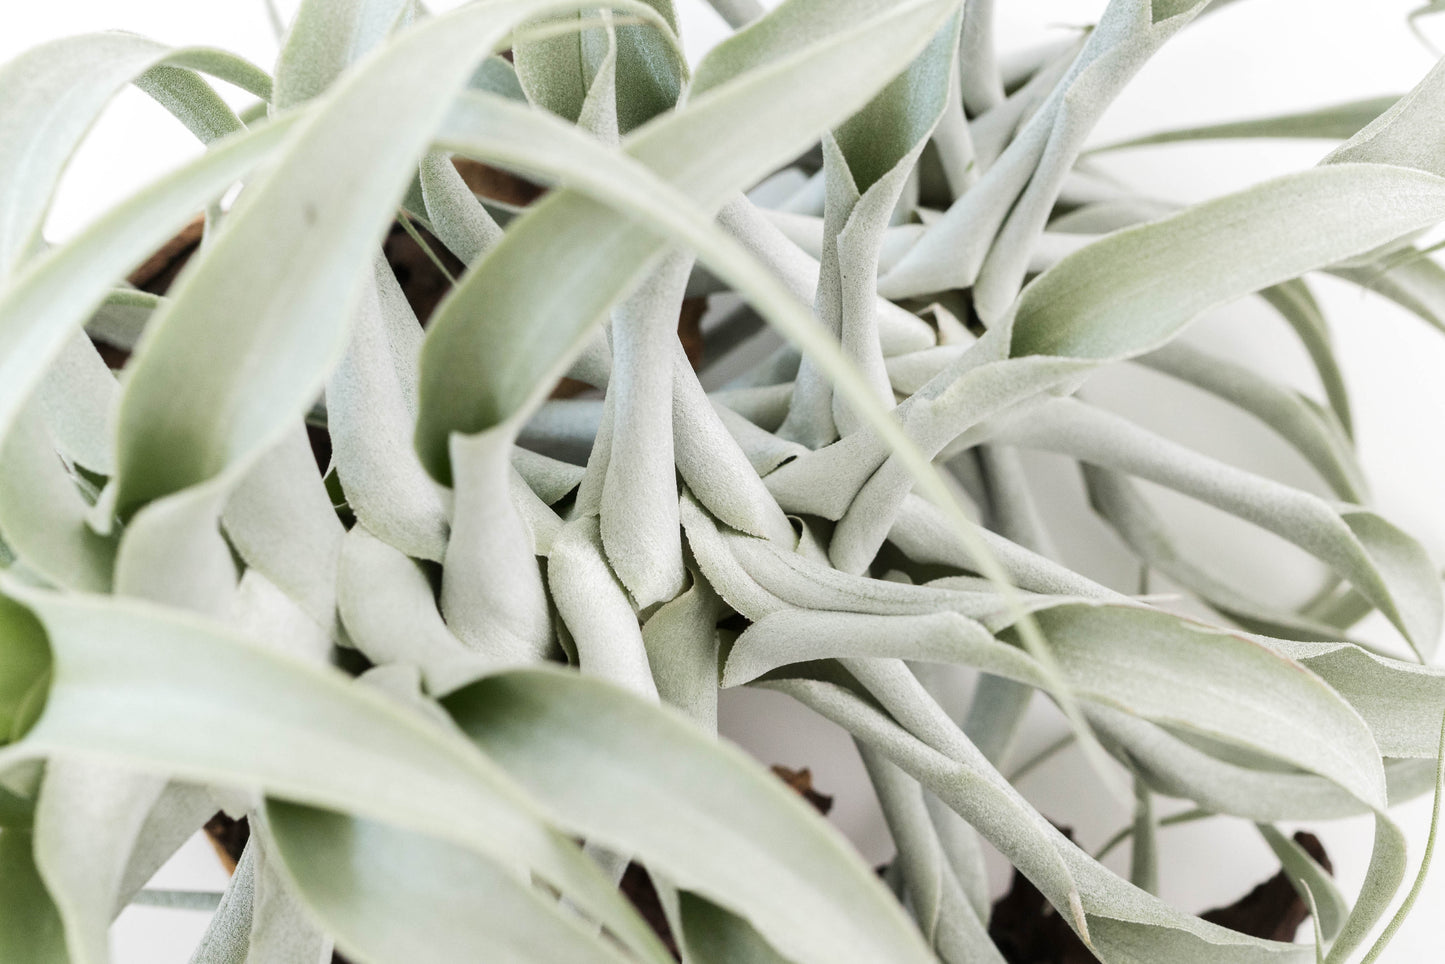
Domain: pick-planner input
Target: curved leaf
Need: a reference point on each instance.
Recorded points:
(297, 730)
(733, 834)
(385, 892)
(1336, 122)
(1133, 290)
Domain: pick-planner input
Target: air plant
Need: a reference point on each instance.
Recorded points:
(454, 645)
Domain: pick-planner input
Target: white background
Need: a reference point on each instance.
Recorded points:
(1256, 57)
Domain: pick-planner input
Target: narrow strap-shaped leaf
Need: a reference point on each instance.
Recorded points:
(228, 936)
(192, 99)
(591, 601)
(173, 553)
(997, 710)
(1413, 280)
(809, 411)
(458, 219)
(1127, 34)
(1329, 907)
(552, 479)
(953, 141)
(797, 635)
(725, 576)
(802, 579)
(1402, 134)
(84, 73)
(385, 892)
(1000, 217)
(734, 834)
(847, 290)
(1117, 500)
(947, 920)
(87, 819)
(122, 317)
(300, 731)
(920, 531)
(493, 595)
(712, 935)
(1304, 425)
(78, 398)
(1292, 299)
(370, 410)
(812, 584)
(1122, 921)
(1100, 647)
(56, 292)
(1408, 903)
(1143, 843)
(327, 38)
(1383, 877)
(30, 926)
(262, 611)
(599, 110)
(1296, 304)
(220, 410)
(946, 413)
(1398, 699)
(651, 70)
(43, 515)
(829, 481)
(513, 287)
(281, 521)
(639, 522)
(557, 71)
(902, 115)
(963, 849)
(1161, 275)
(1335, 122)
(982, 87)
(1385, 565)
(899, 330)
(682, 650)
(763, 450)
(282, 930)
(389, 610)
(1177, 767)
(179, 811)
(201, 900)
(994, 132)
(643, 75)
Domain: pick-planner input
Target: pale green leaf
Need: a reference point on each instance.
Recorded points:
(1336, 122)
(513, 287)
(87, 820)
(30, 926)
(1133, 290)
(1328, 906)
(193, 371)
(301, 732)
(733, 833)
(385, 892)
(84, 73)
(56, 292)
(711, 935)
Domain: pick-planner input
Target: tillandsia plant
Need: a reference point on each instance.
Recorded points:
(453, 643)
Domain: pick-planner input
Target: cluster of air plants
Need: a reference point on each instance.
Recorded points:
(454, 644)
